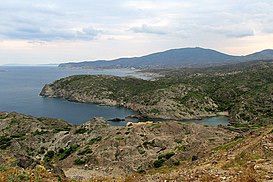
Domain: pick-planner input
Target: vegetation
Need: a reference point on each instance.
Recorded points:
(4, 142)
(79, 161)
(49, 156)
(158, 163)
(244, 90)
(81, 131)
(95, 140)
(64, 153)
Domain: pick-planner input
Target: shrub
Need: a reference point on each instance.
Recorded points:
(49, 156)
(166, 155)
(64, 153)
(140, 170)
(95, 140)
(79, 161)
(37, 132)
(81, 131)
(4, 142)
(158, 163)
(86, 150)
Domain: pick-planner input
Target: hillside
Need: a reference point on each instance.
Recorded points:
(96, 149)
(184, 57)
(244, 90)
(43, 149)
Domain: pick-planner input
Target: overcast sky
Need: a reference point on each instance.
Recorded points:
(54, 31)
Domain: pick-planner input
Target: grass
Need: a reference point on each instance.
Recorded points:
(119, 138)
(3, 168)
(242, 159)
(229, 145)
(180, 148)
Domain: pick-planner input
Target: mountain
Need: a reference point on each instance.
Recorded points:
(184, 57)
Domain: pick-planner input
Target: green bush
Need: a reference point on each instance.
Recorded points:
(81, 131)
(79, 161)
(166, 155)
(158, 163)
(85, 151)
(4, 142)
(37, 132)
(64, 153)
(95, 140)
(49, 156)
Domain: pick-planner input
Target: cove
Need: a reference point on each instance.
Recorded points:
(20, 88)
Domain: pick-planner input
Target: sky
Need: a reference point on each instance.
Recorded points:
(56, 31)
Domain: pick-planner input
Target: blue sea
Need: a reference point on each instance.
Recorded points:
(20, 87)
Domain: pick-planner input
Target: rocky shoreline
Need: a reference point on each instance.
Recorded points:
(166, 109)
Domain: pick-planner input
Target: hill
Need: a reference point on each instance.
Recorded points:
(184, 57)
(43, 149)
(244, 90)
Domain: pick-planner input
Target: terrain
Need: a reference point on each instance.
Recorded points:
(184, 57)
(244, 90)
(43, 149)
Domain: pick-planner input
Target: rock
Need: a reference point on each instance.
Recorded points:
(116, 120)
(129, 124)
(26, 161)
(57, 170)
(1, 160)
(47, 91)
(214, 162)
(194, 158)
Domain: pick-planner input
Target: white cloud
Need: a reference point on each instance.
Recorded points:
(149, 29)
(154, 25)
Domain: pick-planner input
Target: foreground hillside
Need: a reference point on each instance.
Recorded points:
(245, 91)
(42, 149)
(96, 149)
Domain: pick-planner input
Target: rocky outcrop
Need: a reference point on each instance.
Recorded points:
(47, 91)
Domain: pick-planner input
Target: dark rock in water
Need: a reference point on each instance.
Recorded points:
(116, 120)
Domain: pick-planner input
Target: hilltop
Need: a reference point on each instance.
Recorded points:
(184, 57)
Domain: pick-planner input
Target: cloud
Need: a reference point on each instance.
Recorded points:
(130, 27)
(49, 34)
(234, 31)
(42, 22)
(149, 30)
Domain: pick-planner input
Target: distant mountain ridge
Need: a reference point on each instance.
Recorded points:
(184, 57)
